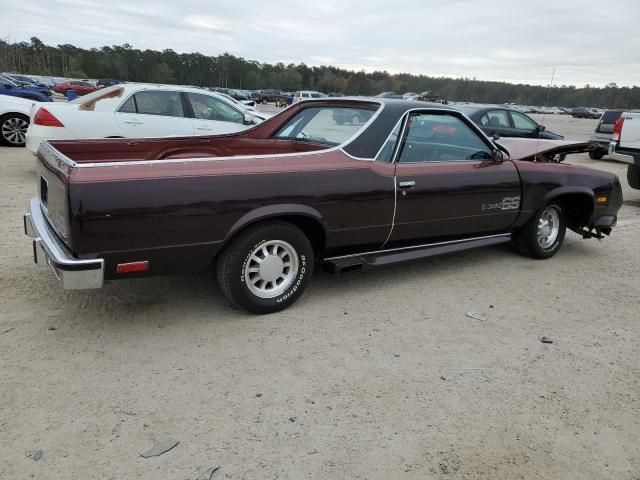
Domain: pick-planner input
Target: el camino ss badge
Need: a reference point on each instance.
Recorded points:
(507, 203)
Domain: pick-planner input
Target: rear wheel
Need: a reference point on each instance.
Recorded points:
(596, 154)
(633, 176)
(13, 129)
(266, 268)
(543, 235)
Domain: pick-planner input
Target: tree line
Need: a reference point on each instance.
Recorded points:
(123, 62)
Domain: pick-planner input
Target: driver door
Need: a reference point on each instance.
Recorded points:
(447, 184)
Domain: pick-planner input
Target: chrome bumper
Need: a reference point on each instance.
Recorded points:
(49, 251)
(619, 156)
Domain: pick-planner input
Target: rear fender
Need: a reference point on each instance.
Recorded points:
(275, 211)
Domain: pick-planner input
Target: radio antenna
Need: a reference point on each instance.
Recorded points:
(544, 112)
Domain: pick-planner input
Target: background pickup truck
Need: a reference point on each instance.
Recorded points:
(266, 205)
(625, 145)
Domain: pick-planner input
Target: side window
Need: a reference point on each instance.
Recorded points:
(163, 103)
(495, 118)
(129, 106)
(212, 108)
(441, 138)
(522, 122)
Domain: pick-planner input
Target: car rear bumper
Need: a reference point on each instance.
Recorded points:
(621, 157)
(36, 134)
(48, 251)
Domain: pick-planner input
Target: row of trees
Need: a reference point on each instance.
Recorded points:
(127, 63)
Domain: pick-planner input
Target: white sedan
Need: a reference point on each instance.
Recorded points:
(139, 111)
(14, 120)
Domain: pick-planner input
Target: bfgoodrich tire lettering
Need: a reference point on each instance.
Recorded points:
(266, 268)
(543, 235)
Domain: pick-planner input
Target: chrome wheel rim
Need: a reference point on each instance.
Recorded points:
(271, 269)
(548, 227)
(14, 130)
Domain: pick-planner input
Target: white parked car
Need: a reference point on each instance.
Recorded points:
(307, 95)
(14, 120)
(138, 111)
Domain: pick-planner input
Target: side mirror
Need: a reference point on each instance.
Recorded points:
(541, 128)
(497, 156)
(249, 119)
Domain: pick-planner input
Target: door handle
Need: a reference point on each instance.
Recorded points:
(409, 184)
(132, 122)
(205, 129)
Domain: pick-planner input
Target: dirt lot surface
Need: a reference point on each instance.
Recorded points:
(369, 376)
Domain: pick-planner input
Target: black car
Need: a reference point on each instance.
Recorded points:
(235, 94)
(351, 116)
(582, 112)
(107, 82)
(506, 122)
(265, 96)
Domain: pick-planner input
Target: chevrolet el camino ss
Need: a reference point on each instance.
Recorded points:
(266, 206)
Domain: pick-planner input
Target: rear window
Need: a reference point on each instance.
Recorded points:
(326, 125)
(610, 116)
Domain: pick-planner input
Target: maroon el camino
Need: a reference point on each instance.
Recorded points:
(308, 187)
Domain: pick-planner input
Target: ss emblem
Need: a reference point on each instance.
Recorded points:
(510, 203)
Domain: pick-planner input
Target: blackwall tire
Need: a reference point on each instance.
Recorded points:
(13, 129)
(633, 176)
(543, 235)
(266, 268)
(596, 154)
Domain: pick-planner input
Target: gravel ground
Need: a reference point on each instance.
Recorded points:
(377, 375)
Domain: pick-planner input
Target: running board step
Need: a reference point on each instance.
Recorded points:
(365, 261)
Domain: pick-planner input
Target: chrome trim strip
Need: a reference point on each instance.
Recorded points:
(399, 122)
(415, 247)
(395, 208)
(238, 157)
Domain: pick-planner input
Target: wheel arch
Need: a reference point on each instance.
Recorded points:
(306, 218)
(577, 204)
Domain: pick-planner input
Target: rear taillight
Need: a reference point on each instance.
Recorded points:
(617, 129)
(45, 118)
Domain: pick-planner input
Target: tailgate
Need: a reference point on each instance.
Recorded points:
(630, 134)
(52, 176)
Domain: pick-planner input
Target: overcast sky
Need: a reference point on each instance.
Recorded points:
(594, 42)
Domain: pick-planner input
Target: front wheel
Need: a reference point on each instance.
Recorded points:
(266, 268)
(543, 235)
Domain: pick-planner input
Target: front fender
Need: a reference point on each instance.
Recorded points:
(571, 190)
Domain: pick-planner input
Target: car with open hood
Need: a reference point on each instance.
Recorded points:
(265, 206)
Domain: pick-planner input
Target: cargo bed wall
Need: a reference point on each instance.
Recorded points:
(122, 150)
